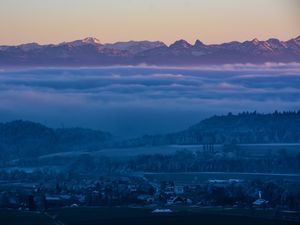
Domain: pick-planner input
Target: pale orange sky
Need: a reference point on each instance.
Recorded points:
(212, 21)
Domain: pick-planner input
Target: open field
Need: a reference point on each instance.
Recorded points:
(138, 216)
(15, 217)
(248, 149)
(200, 177)
(58, 161)
(263, 149)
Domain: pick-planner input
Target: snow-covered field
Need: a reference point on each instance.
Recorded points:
(249, 149)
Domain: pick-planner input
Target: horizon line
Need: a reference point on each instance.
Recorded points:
(150, 40)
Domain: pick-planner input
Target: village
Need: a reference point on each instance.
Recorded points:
(137, 191)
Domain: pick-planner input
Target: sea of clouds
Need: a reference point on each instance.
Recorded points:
(132, 101)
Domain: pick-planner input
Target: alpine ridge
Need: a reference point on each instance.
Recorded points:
(91, 52)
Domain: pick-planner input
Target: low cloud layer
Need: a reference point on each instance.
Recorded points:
(134, 101)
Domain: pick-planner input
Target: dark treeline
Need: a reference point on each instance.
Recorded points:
(243, 128)
(186, 161)
(182, 161)
(24, 139)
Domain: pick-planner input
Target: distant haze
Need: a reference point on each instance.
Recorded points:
(212, 21)
(131, 101)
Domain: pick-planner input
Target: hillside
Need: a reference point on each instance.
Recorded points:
(25, 139)
(244, 128)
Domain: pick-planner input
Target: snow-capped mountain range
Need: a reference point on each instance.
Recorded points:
(91, 52)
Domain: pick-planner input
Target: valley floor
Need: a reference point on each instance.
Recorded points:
(138, 216)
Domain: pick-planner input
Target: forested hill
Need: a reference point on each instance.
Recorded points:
(244, 128)
(19, 139)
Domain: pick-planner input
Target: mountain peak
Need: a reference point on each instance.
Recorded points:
(273, 40)
(89, 51)
(180, 44)
(199, 43)
(297, 38)
(85, 41)
(255, 41)
(276, 44)
(91, 40)
(29, 46)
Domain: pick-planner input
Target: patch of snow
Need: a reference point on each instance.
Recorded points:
(162, 211)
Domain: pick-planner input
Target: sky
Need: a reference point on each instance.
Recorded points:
(131, 102)
(212, 21)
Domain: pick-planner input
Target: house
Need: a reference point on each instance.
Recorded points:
(145, 198)
(178, 200)
(58, 200)
(179, 190)
(260, 202)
